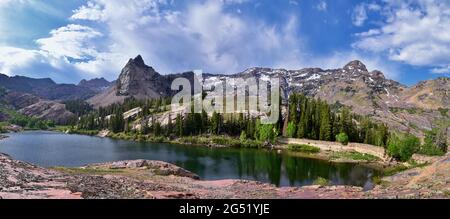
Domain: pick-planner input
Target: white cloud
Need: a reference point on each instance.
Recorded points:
(441, 70)
(359, 15)
(90, 11)
(72, 41)
(360, 12)
(202, 35)
(414, 32)
(322, 6)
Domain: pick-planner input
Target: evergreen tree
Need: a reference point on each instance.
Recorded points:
(291, 130)
(179, 125)
(325, 124)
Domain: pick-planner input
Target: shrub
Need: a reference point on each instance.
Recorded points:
(342, 138)
(267, 133)
(431, 150)
(226, 141)
(321, 181)
(402, 147)
(303, 148)
(2, 129)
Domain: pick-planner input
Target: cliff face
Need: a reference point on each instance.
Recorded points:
(140, 80)
(49, 110)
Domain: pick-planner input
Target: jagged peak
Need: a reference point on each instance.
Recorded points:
(139, 61)
(355, 64)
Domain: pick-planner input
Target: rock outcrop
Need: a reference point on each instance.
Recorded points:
(49, 110)
(33, 106)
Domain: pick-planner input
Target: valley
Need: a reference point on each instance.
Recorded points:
(342, 129)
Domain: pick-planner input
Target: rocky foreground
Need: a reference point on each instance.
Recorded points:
(143, 179)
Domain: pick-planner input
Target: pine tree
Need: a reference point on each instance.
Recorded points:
(169, 128)
(325, 124)
(179, 125)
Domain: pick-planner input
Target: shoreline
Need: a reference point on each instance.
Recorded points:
(147, 179)
(387, 168)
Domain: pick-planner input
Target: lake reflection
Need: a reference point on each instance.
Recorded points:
(58, 149)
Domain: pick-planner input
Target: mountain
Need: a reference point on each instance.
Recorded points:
(96, 84)
(432, 94)
(409, 109)
(13, 102)
(140, 81)
(46, 88)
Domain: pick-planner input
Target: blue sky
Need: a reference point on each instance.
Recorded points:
(69, 40)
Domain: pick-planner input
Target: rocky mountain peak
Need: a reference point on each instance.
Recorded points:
(355, 65)
(138, 61)
(137, 78)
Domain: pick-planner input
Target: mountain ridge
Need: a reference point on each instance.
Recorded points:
(368, 93)
(406, 108)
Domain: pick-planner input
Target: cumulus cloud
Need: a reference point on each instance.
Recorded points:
(414, 32)
(202, 35)
(74, 41)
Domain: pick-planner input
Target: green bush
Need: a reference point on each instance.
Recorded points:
(2, 129)
(403, 146)
(321, 181)
(342, 138)
(226, 141)
(431, 150)
(303, 148)
(267, 133)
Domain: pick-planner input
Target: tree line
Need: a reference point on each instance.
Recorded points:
(318, 120)
(306, 118)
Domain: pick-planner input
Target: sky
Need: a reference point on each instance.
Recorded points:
(408, 40)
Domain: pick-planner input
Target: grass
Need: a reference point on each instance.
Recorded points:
(89, 171)
(84, 132)
(220, 140)
(303, 148)
(353, 156)
(321, 181)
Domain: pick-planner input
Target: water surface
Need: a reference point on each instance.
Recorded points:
(57, 149)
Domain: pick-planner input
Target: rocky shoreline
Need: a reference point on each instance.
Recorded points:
(143, 179)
